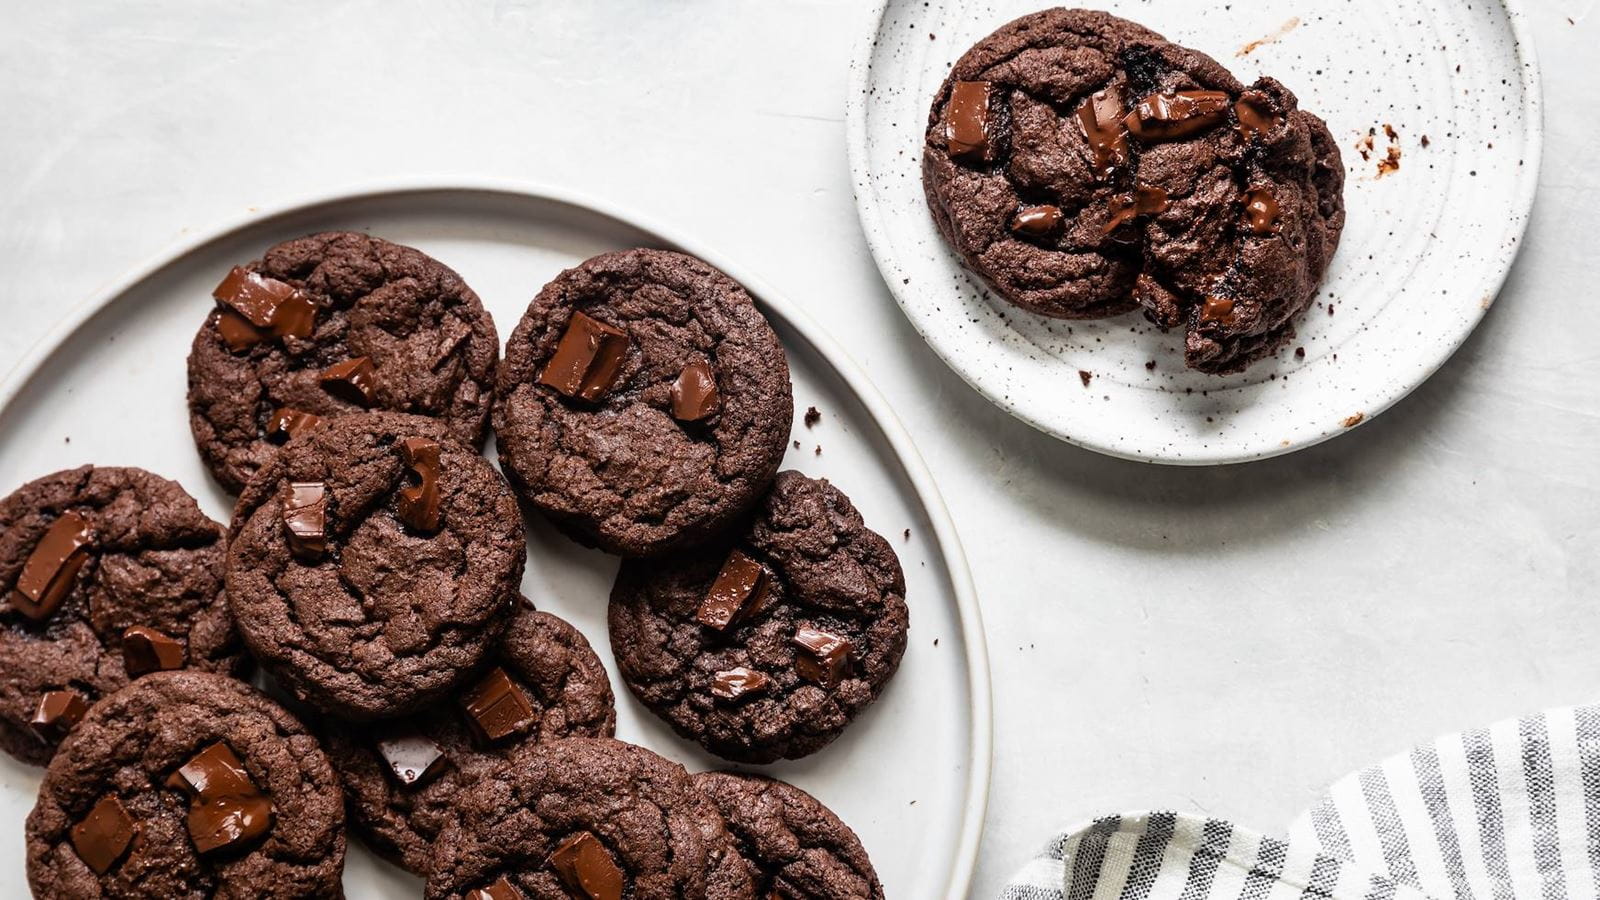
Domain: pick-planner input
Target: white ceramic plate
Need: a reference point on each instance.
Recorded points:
(910, 776)
(1424, 252)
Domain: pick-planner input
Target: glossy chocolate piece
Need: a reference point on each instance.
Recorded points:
(740, 584)
(57, 713)
(412, 758)
(824, 657)
(969, 121)
(496, 708)
(1100, 119)
(1036, 221)
(500, 890)
(103, 835)
(355, 380)
(146, 650)
(418, 502)
(1217, 309)
(1175, 115)
(256, 308)
(226, 809)
(1261, 212)
(1256, 116)
(305, 519)
(586, 868)
(739, 682)
(287, 424)
(587, 360)
(1144, 201)
(48, 574)
(694, 393)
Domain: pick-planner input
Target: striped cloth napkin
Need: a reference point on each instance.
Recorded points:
(1507, 812)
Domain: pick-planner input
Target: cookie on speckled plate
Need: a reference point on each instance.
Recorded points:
(330, 324)
(187, 784)
(106, 574)
(769, 645)
(1085, 166)
(587, 817)
(404, 778)
(795, 847)
(644, 402)
(374, 562)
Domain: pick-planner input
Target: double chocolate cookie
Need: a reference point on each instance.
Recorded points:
(644, 402)
(766, 646)
(107, 574)
(335, 323)
(592, 818)
(187, 784)
(794, 847)
(1084, 166)
(403, 778)
(374, 563)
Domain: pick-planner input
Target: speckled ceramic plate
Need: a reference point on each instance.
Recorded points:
(1447, 91)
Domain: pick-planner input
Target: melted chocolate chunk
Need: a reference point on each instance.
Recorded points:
(305, 519)
(412, 758)
(58, 712)
(1100, 118)
(587, 360)
(48, 574)
(1217, 309)
(969, 121)
(739, 682)
(587, 869)
(1036, 221)
(1172, 116)
(1144, 201)
(740, 583)
(496, 708)
(694, 393)
(418, 503)
(103, 835)
(146, 650)
(1256, 116)
(824, 656)
(355, 380)
(1261, 213)
(226, 809)
(256, 308)
(286, 424)
(500, 890)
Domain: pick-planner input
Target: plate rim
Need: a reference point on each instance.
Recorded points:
(1530, 82)
(947, 541)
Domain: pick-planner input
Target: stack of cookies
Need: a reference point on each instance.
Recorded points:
(342, 386)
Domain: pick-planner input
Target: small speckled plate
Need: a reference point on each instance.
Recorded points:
(1436, 107)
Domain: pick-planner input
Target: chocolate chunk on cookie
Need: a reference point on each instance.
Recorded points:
(591, 818)
(1084, 166)
(187, 784)
(765, 646)
(374, 562)
(793, 846)
(330, 324)
(644, 402)
(404, 777)
(106, 574)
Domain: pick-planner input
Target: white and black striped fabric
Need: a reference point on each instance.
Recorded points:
(1507, 812)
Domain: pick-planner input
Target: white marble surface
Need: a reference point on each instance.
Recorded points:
(1225, 641)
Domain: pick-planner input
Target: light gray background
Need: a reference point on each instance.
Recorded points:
(1223, 641)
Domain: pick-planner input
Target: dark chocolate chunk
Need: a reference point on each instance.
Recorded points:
(47, 575)
(412, 758)
(496, 708)
(1171, 116)
(418, 502)
(587, 869)
(1100, 118)
(824, 656)
(969, 119)
(1036, 221)
(1261, 213)
(146, 650)
(1256, 115)
(1144, 201)
(58, 711)
(103, 835)
(738, 682)
(305, 519)
(287, 423)
(226, 809)
(355, 380)
(500, 890)
(587, 360)
(694, 393)
(1217, 309)
(256, 308)
(740, 583)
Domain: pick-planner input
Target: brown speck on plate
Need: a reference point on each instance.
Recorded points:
(1353, 421)
(813, 416)
(1085, 376)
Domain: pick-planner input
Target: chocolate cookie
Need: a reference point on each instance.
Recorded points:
(1083, 165)
(587, 817)
(794, 846)
(767, 646)
(374, 562)
(330, 324)
(187, 784)
(107, 574)
(644, 402)
(403, 778)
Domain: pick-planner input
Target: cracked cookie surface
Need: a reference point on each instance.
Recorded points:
(1100, 168)
(432, 346)
(388, 617)
(569, 696)
(128, 747)
(825, 571)
(660, 837)
(623, 472)
(793, 846)
(155, 560)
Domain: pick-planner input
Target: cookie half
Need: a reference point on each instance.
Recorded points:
(187, 784)
(614, 818)
(403, 778)
(374, 563)
(644, 402)
(1083, 165)
(769, 645)
(107, 574)
(331, 324)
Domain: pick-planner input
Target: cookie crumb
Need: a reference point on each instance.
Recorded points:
(1353, 421)
(1150, 366)
(818, 451)
(908, 534)
(1299, 353)
(797, 445)
(1085, 376)
(1426, 143)
(813, 416)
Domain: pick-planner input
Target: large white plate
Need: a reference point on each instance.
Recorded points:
(911, 775)
(1424, 253)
